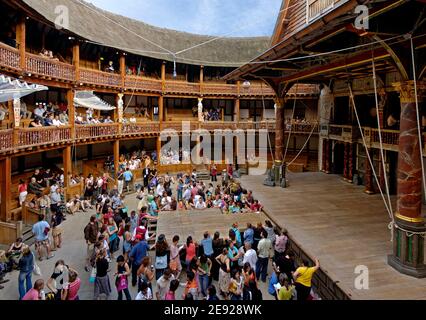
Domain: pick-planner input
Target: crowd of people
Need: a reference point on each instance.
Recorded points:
(213, 114)
(117, 238)
(170, 156)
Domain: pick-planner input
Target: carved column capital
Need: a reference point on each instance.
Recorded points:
(279, 102)
(407, 92)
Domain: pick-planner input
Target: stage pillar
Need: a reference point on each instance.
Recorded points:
(279, 129)
(6, 192)
(408, 246)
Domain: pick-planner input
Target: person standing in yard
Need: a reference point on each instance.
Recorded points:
(26, 267)
(264, 253)
(91, 236)
(128, 176)
(303, 279)
(41, 232)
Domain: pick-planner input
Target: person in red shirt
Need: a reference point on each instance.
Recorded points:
(36, 293)
(256, 206)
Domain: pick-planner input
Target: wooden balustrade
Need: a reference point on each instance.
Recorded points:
(182, 87)
(178, 125)
(96, 131)
(335, 130)
(99, 78)
(49, 68)
(6, 139)
(257, 89)
(304, 128)
(388, 136)
(44, 135)
(219, 89)
(143, 84)
(317, 7)
(9, 57)
(246, 125)
(218, 125)
(140, 128)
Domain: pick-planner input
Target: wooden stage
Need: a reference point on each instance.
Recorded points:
(195, 222)
(343, 227)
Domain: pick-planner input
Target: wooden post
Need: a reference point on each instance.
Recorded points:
(5, 191)
(21, 40)
(163, 76)
(201, 80)
(123, 69)
(161, 111)
(158, 150)
(67, 161)
(237, 110)
(71, 112)
(116, 157)
(76, 60)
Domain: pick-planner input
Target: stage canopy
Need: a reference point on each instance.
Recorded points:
(86, 99)
(11, 89)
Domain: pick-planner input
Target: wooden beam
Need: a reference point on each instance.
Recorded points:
(116, 156)
(71, 111)
(123, 69)
(5, 191)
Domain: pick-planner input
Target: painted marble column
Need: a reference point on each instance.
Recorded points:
(351, 163)
(324, 155)
(346, 161)
(327, 152)
(279, 131)
(408, 248)
(368, 177)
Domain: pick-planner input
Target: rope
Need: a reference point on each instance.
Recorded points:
(291, 125)
(380, 135)
(304, 146)
(368, 154)
(269, 138)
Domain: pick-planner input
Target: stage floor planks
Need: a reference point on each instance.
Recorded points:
(342, 226)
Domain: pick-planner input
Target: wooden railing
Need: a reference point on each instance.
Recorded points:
(335, 130)
(6, 139)
(49, 68)
(9, 232)
(178, 125)
(43, 135)
(218, 89)
(214, 125)
(29, 215)
(388, 136)
(182, 87)
(257, 89)
(144, 84)
(304, 128)
(9, 57)
(138, 128)
(91, 76)
(96, 131)
(317, 7)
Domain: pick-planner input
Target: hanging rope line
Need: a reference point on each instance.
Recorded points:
(379, 125)
(304, 146)
(291, 124)
(268, 137)
(368, 153)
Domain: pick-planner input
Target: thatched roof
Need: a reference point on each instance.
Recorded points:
(94, 24)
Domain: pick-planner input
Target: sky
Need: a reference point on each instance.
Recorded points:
(234, 18)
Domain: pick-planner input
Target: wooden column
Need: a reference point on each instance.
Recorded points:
(161, 110)
(201, 80)
(71, 112)
(326, 156)
(5, 191)
(116, 156)
(158, 150)
(279, 132)
(237, 110)
(163, 75)
(67, 161)
(408, 253)
(123, 70)
(76, 60)
(21, 40)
